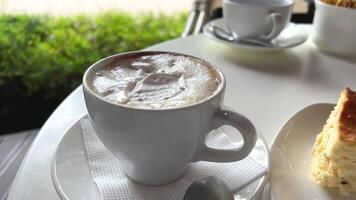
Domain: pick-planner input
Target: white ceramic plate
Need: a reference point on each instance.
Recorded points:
(292, 36)
(73, 181)
(291, 156)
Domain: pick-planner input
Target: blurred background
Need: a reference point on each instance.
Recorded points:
(47, 44)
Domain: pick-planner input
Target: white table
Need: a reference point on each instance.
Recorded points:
(267, 88)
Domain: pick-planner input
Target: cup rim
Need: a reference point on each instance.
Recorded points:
(87, 88)
(331, 6)
(287, 4)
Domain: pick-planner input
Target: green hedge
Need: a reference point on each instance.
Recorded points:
(51, 53)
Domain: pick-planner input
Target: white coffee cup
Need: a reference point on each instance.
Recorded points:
(257, 19)
(157, 145)
(334, 29)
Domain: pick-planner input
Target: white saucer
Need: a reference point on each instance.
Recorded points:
(292, 36)
(72, 178)
(291, 156)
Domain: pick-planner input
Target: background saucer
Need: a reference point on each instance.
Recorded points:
(72, 178)
(291, 156)
(293, 35)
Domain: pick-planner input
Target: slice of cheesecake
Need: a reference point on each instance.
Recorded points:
(334, 151)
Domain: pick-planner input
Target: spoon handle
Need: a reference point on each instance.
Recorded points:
(230, 37)
(222, 34)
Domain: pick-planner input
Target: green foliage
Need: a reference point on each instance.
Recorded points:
(51, 53)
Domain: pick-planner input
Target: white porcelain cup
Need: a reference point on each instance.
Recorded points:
(157, 145)
(335, 29)
(257, 19)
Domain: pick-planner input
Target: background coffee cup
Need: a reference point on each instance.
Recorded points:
(258, 19)
(157, 145)
(334, 29)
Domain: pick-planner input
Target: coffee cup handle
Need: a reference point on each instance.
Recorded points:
(243, 125)
(277, 26)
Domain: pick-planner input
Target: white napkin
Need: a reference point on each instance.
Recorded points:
(108, 174)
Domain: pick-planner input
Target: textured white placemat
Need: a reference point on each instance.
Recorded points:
(108, 174)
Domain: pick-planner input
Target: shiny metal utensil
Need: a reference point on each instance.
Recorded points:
(210, 188)
(230, 37)
(213, 188)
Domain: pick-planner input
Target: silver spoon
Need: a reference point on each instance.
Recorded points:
(213, 188)
(228, 36)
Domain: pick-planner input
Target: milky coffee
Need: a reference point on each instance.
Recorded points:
(156, 81)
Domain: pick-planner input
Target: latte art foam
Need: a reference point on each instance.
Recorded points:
(156, 81)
